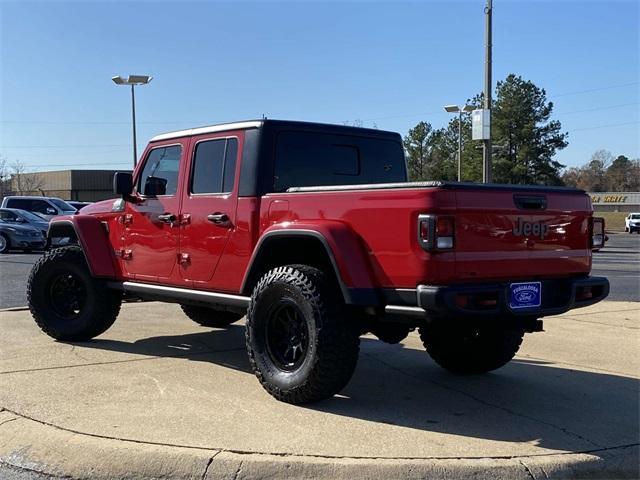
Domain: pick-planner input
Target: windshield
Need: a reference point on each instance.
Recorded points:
(635, 217)
(30, 216)
(62, 205)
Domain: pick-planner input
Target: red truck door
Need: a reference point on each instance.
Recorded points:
(150, 235)
(209, 206)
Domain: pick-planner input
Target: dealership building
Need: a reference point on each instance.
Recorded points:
(79, 185)
(615, 201)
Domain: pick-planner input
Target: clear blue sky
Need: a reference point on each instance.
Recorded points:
(389, 63)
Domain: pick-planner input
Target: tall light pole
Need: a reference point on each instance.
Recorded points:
(486, 151)
(133, 80)
(458, 110)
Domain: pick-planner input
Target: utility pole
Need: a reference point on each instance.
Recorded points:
(460, 145)
(486, 153)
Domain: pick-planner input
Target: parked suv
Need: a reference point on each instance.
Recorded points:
(46, 207)
(315, 234)
(632, 223)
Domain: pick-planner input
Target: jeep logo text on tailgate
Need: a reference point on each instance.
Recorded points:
(538, 229)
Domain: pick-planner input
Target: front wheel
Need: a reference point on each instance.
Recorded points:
(66, 302)
(302, 345)
(470, 349)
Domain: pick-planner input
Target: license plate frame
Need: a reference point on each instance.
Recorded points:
(525, 295)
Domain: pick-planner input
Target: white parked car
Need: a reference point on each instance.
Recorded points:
(632, 223)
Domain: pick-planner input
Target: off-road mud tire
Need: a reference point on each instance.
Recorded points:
(333, 337)
(464, 348)
(98, 311)
(210, 317)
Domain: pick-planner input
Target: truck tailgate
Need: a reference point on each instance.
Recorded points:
(511, 234)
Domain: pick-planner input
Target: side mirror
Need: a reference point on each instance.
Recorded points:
(155, 186)
(20, 220)
(51, 211)
(123, 183)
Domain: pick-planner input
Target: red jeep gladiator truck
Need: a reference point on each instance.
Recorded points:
(313, 232)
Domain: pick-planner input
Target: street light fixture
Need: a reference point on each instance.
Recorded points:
(459, 110)
(133, 80)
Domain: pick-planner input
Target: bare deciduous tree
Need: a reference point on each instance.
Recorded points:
(5, 182)
(24, 182)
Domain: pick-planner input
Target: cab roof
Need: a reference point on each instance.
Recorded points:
(247, 124)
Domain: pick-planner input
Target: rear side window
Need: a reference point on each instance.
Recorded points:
(214, 166)
(312, 159)
(160, 173)
(21, 203)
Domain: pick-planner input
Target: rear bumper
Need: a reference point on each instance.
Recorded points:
(492, 299)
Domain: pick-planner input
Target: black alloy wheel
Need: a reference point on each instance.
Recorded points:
(287, 336)
(68, 295)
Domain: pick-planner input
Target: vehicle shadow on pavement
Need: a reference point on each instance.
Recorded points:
(530, 401)
(208, 346)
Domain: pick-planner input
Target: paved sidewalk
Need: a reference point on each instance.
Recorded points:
(158, 396)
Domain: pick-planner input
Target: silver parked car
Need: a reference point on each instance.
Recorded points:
(20, 236)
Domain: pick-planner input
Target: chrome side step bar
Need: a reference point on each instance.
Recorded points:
(405, 311)
(177, 294)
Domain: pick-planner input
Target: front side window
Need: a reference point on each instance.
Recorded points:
(214, 166)
(41, 206)
(160, 173)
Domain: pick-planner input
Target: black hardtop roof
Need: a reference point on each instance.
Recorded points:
(272, 124)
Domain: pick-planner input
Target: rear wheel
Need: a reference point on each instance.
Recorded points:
(66, 302)
(470, 349)
(209, 317)
(302, 345)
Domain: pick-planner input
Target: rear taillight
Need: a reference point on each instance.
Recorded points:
(597, 232)
(436, 232)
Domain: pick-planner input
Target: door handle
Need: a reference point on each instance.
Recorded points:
(167, 218)
(219, 218)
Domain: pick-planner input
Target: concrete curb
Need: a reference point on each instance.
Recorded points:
(14, 309)
(31, 445)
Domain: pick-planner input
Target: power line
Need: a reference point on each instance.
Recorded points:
(605, 126)
(79, 164)
(63, 146)
(192, 122)
(97, 122)
(609, 87)
(609, 107)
